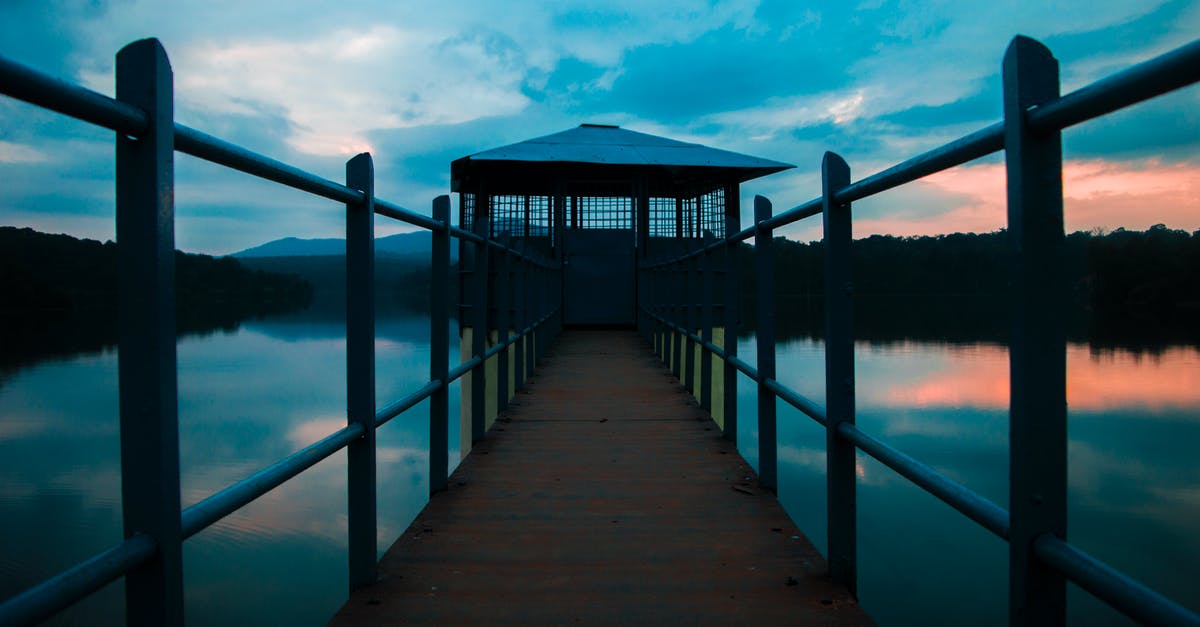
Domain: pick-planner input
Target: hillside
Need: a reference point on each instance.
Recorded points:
(40, 271)
(417, 244)
(60, 294)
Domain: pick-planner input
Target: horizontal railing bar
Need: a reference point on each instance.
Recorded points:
(713, 247)
(204, 146)
(29, 85)
(791, 397)
(744, 368)
(991, 516)
(494, 350)
(42, 90)
(467, 235)
(42, 601)
(399, 407)
(460, 233)
(1110, 585)
(229, 500)
(799, 212)
(1155, 77)
(396, 212)
(458, 371)
(981, 143)
(742, 235)
(975, 507)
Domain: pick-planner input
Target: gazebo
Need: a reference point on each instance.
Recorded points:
(599, 198)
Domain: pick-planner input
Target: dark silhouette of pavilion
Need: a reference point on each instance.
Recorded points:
(599, 198)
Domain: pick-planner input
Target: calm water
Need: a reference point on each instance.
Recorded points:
(251, 396)
(1134, 475)
(246, 399)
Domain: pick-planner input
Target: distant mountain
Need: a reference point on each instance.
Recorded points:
(403, 244)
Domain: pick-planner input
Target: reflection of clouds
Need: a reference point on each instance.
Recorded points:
(1175, 505)
(398, 454)
(1106, 482)
(15, 429)
(101, 486)
(16, 488)
(905, 424)
(1092, 470)
(977, 376)
(802, 457)
(813, 460)
(312, 504)
(305, 433)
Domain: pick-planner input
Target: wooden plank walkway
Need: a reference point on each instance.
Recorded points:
(603, 496)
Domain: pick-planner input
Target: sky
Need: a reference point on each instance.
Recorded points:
(419, 84)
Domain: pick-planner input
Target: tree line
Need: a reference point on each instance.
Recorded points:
(1118, 284)
(58, 294)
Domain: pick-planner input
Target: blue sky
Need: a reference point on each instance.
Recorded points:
(421, 83)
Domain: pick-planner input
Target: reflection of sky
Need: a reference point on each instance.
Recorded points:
(1134, 485)
(246, 400)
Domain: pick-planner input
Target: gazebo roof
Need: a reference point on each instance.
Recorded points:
(605, 154)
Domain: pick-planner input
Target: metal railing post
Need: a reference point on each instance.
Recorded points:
(678, 291)
(732, 298)
(706, 323)
(666, 275)
(439, 347)
(690, 318)
(1037, 353)
(839, 375)
(479, 321)
(146, 359)
(360, 370)
(655, 304)
(520, 316)
(503, 288)
(540, 299)
(764, 310)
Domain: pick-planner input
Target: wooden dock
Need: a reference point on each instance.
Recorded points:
(604, 495)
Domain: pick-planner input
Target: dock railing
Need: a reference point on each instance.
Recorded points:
(1035, 524)
(155, 524)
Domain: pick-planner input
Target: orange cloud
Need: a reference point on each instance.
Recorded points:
(977, 376)
(1097, 193)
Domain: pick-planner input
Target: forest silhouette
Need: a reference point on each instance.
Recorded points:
(1125, 288)
(60, 294)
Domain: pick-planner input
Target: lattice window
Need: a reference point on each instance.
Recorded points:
(607, 212)
(466, 210)
(521, 216)
(664, 218)
(711, 213)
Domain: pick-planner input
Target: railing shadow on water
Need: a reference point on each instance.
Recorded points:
(677, 315)
(155, 524)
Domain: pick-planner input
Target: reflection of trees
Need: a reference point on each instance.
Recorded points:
(60, 295)
(1125, 288)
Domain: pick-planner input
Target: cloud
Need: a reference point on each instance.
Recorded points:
(421, 83)
(11, 152)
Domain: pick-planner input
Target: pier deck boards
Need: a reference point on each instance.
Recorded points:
(604, 495)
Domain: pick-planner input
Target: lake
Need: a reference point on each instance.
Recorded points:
(250, 395)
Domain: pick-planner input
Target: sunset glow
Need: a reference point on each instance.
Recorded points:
(977, 376)
(1097, 194)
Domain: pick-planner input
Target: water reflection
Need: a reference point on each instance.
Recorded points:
(1134, 489)
(246, 399)
(252, 396)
